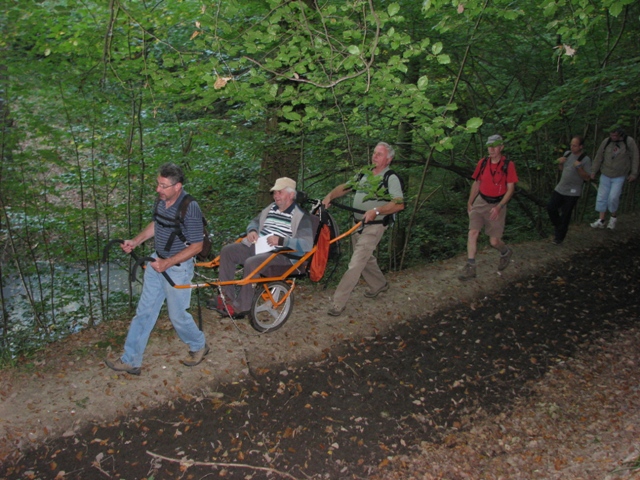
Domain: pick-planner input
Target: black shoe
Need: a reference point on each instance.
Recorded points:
(556, 242)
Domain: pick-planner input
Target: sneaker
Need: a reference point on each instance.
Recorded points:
(555, 241)
(468, 272)
(598, 224)
(120, 366)
(504, 259)
(335, 311)
(194, 358)
(373, 294)
(612, 223)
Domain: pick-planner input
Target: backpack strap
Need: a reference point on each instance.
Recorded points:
(624, 140)
(485, 160)
(173, 222)
(385, 180)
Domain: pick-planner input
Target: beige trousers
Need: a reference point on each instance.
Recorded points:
(362, 263)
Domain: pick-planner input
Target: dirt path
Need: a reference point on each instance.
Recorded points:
(68, 387)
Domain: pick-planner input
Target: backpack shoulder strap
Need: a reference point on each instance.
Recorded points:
(387, 175)
(483, 165)
(181, 211)
(155, 208)
(505, 167)
(176, 222)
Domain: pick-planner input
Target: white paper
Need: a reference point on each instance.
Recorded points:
(262, 246)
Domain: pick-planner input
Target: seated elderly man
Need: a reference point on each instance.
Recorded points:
(281, 224)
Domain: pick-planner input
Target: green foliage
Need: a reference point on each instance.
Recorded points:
(95, 97)
(371, 186)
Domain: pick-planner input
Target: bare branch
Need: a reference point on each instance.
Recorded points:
(190, 463)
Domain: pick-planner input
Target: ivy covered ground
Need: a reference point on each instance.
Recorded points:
(532, 374)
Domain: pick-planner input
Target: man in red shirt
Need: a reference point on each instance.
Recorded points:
(494, 183)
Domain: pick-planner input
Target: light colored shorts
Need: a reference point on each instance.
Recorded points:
(479, 218)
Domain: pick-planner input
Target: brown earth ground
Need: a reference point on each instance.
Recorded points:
(581, 420)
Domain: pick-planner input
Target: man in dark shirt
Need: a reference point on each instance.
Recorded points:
(176, 259)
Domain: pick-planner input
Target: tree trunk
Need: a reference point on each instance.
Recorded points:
(280, 159)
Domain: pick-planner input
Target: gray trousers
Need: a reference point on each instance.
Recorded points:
(362, 263)
(240, 254)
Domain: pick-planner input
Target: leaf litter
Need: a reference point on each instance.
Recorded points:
(512, 385)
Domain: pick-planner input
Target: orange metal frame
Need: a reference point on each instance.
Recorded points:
(255, 277)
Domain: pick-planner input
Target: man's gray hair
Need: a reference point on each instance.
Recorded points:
(171, 171)
(290, 190)
(390, 151)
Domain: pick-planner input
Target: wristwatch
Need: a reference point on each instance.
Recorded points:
(377, 211)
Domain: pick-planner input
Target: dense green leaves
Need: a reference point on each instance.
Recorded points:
(96, 95)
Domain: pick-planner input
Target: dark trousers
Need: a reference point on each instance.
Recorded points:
(559, 209)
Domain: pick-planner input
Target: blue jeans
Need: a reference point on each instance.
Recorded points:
(154, 292)
(609, 192)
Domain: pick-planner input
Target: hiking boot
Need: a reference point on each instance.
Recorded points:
(373, 294)
(504, 259)
(555, 241)
(468, 272)
(612, 223)
(120, 366)
(335, 311)
(598, 224)
(194, 358)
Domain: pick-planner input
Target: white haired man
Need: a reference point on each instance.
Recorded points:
(375, 216)
(281, 224)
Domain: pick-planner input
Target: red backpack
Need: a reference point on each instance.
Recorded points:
(321, 256)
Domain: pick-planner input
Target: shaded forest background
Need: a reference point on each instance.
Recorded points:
(94, 96)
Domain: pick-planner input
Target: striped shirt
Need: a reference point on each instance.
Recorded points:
(277, 222)
(192, 227)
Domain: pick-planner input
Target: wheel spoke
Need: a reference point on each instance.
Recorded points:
(271, 310)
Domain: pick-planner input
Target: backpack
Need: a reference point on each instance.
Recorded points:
(385, 180)
(325, 250)
(388, 219)
(177, 222)
(321, 256)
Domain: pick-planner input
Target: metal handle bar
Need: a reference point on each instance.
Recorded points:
(137, 261)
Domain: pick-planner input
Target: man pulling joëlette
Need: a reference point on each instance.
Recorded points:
(176, 259)
(363, 262)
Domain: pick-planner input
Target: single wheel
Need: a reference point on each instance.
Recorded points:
(271, 306)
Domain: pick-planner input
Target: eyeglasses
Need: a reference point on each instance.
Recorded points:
(164, 187)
